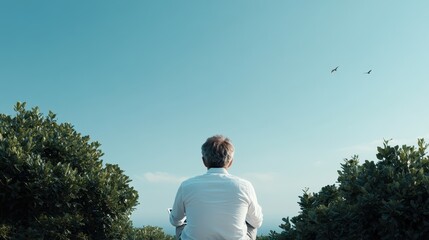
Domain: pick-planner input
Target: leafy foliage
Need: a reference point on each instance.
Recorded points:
(150, 233)
(388, 199)
(53, 184)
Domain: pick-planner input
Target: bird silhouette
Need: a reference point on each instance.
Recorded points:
(368, 72)
(334, 70)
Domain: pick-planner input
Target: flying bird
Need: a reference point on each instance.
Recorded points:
(368, 72)
(334, 70)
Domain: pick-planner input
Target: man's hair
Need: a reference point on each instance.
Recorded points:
(217, 151)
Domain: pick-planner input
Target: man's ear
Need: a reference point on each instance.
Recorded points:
(204, 161)
(230, 163)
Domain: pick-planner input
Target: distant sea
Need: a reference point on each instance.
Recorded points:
(265, 229)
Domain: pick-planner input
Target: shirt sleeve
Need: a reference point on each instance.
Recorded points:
(254, 215)
(177, 215)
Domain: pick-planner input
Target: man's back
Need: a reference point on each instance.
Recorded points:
(217, 206)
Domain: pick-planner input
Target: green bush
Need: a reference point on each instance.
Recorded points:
(150, 233)
(388, 199)
(53, 184)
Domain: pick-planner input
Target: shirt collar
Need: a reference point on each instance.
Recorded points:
(217, 170)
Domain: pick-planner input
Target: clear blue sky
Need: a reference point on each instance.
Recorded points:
(151, 80)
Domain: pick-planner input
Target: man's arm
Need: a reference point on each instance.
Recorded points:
(177, 214)
(254, 215)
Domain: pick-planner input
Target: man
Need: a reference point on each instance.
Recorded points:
(216, 205)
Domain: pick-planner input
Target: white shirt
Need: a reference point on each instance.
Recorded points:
(217, 206)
